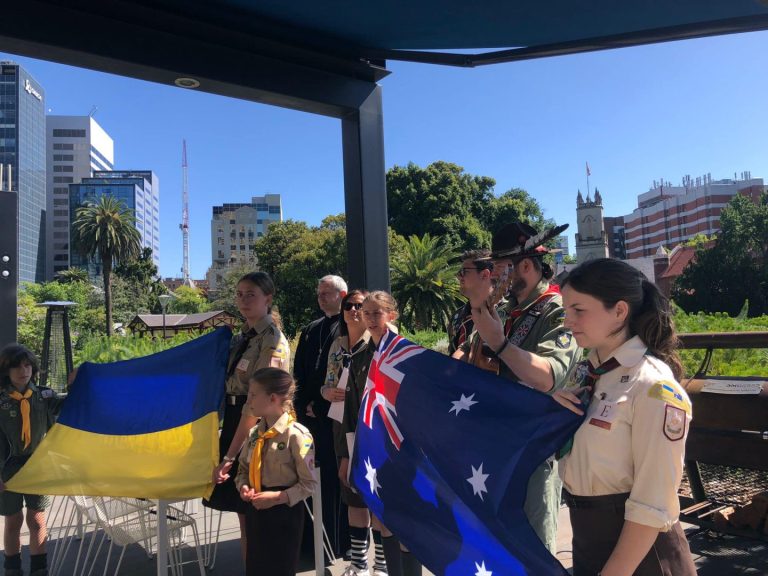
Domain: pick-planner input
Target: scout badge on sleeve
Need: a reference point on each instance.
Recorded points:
(674, 422)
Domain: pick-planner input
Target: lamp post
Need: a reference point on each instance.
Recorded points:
(164, 299)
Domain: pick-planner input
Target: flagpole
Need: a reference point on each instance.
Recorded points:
(587, 170)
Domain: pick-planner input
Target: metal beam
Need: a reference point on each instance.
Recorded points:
(9, 266)
(362, 135)
(161, 47)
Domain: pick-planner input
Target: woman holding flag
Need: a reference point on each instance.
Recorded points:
(623, 471)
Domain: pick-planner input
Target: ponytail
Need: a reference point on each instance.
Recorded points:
(652, 322)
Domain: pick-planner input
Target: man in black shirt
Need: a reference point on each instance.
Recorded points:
(309, 369)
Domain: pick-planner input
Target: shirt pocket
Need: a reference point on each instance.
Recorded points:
(607, 412)
(280, 452)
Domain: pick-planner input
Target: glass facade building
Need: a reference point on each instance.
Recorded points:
(76, 148)
(22, 147)
(138, 190)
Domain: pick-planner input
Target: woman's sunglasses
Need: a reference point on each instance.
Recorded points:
(350, 305)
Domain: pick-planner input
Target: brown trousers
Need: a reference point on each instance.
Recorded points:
(597, 521)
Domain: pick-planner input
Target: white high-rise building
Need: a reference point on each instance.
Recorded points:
(76, 147)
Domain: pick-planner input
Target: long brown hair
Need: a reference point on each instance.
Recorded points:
(650, 315)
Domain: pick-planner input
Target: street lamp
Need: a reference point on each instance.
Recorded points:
(164, 299)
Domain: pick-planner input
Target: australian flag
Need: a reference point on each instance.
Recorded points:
(443, 453)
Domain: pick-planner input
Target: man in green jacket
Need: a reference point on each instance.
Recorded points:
(526, 339)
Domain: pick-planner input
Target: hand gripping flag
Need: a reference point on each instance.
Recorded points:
(443, 453)
(146, 427)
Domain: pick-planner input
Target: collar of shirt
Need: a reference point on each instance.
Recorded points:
(30, 386)
(628, 354)
(281, 425)
(259, 327)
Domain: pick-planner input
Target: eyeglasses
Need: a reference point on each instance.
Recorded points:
(461, 272)
(350, 305)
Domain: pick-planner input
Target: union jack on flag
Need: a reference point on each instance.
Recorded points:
(383, 383)
(443, 453)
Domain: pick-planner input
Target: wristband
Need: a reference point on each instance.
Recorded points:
(229, 459)
(502, 348)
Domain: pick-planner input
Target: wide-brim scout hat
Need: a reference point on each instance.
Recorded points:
(519, 240)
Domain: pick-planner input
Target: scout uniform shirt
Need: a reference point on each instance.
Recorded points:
(633, 438)
(44, 406)
(288, 459)
(546, 337)
(266, 347)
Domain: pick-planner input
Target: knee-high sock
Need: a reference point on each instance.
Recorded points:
(359, 538)
(411, 566)
(392, 553)
(380, 562)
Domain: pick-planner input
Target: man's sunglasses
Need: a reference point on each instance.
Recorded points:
(350, 305)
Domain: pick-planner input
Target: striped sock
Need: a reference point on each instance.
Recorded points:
(379, 563)
(359, 539)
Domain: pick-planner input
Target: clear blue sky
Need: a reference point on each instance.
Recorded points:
(634, 114)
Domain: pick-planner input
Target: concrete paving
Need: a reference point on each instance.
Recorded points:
(715, 555)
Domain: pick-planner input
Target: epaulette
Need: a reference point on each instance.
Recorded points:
(300, 427)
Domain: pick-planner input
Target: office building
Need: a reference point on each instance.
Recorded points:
(139, 190)
(76, 147)
(234, 229)
(614, 231)
(667, 215)
(22, 151)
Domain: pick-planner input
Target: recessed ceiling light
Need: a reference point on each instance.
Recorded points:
(187, 82)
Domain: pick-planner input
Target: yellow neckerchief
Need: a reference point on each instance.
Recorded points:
(254, 470)
(26, 428)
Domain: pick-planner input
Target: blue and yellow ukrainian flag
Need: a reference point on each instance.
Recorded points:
(146, 427)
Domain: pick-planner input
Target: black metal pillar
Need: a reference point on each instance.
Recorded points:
(9, 266)
(365, 195)
(57, 361)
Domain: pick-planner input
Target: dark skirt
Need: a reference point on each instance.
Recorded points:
(597, 521)
(225, 496)
(274, 539)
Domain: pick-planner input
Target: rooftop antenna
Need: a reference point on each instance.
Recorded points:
(186, 281)
(92, 113)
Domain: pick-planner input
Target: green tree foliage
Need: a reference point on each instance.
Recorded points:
(443, 200)
(722, 277)
(296, 256)
(424, 283)
(85, 318)
(188, 300)
(440, 200)
(106, 229)
(135, 288)
(72, 275)
(514, 204)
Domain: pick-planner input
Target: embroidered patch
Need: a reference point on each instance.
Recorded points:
(625, 379)
(281, 445)
(564, 340)
(12, 413)
(306, 446)
(557, 320)
(667, 392)
(47, 393)
(5, 406)
(674, 422)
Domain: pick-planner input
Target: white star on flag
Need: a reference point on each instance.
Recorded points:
(370, 475)
(478, 481)
(481, 570)
(463, 404)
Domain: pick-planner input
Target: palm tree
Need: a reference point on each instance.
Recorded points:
(71, 275)
(105, 228)
(424, 282)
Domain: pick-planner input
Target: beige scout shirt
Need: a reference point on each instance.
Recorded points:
(267, 347)
(633, 438)
(288, 459)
